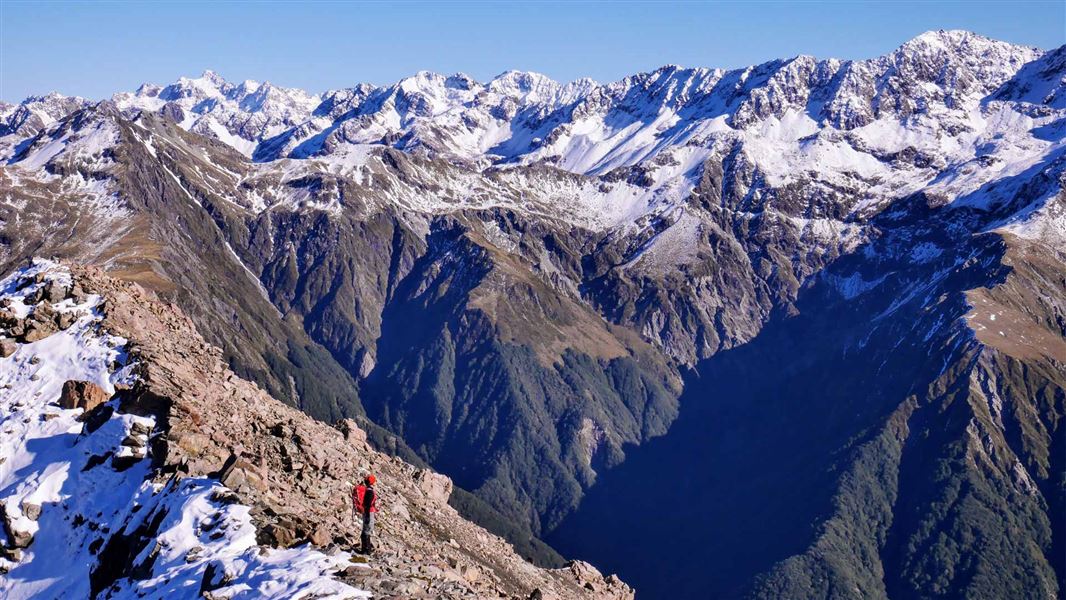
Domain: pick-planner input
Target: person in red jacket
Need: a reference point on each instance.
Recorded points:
(365, 503)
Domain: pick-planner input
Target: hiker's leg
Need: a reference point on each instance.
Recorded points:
(368, 530)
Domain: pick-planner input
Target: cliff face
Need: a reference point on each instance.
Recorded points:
(175, 472)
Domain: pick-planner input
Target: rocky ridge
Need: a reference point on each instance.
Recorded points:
(195, 421)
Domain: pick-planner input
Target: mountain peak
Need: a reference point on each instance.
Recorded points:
(958, 41)
(213, 77)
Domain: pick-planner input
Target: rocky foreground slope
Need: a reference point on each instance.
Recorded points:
(135, 464)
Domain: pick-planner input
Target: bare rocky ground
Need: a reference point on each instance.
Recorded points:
(296, 473)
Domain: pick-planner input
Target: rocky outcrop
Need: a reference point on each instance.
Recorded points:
(43, 319)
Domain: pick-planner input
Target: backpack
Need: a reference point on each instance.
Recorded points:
(359, 497)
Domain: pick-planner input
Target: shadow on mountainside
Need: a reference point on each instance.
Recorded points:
(802, 443)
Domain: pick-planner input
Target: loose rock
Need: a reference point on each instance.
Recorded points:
(82, 394)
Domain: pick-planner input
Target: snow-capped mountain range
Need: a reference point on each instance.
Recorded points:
(944, 104)
(936, 80)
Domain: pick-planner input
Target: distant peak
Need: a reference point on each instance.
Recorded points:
(147, 89)
(968, 46)
(52, 96)
(521, 80)
(669, 68)
(460, 81)
(516, 74)
(213, 77)
(207, 80)
(422, 82)
(425, 75)
(949, 39)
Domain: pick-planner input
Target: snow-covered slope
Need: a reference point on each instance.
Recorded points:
(238, 114)
(74, 490)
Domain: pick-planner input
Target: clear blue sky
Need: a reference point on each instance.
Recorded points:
(93, 49)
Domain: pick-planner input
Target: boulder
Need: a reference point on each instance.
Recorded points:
(320, 536)
(8, 347)
(133, 441)
(78, 294)
(438, 487)
(38, 330)
(43, 312)
(586, 574)
(470, 573)
(82, 394)
(240, 475)
(65, 319)
(17, 329)
(17, 536)
(276, 535)
(31, 510)
(140, 428)
(352, 432)
(54, 292)
(190, 443)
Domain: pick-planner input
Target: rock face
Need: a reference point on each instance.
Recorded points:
(82, 394)
(516, 312)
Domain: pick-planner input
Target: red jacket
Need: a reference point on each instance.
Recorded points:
(359, 498)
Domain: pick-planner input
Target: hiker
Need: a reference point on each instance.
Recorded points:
(365, 503)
